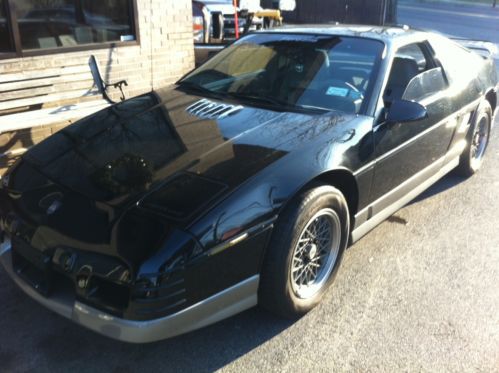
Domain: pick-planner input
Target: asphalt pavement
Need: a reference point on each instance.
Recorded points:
(480, 22)
(419, 293)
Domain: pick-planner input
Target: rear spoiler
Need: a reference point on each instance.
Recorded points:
(482, 47)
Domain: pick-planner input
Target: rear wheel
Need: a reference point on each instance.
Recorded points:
(305, 252)
(478, 138)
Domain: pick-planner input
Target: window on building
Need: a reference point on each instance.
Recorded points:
(5, 41)
(52, 24)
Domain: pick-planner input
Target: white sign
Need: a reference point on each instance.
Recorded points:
(250, 5)
(287, 5)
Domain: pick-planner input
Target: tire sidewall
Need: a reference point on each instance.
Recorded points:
(483, 111)
(316, 200)
(466, 167)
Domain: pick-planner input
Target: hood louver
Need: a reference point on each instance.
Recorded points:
(207, 109)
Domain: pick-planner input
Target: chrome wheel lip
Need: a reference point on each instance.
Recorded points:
(314, 258)
(479, 141)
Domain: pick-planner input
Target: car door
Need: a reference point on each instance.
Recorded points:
(408, 153)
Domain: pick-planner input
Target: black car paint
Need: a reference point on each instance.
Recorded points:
(259, 157)
(241, 150)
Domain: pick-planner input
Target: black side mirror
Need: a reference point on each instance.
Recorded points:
(401, 111)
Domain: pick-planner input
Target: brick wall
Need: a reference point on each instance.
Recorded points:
(164, 54)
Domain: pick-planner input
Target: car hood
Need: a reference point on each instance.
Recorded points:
(127, 150)
(118, 181)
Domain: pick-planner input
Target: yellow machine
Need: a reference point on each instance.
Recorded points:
(270, 14)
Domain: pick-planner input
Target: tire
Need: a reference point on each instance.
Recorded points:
(291, 293)
(477, 140)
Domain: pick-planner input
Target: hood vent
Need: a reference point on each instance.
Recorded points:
(207, 109)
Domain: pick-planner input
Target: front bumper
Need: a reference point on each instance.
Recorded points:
(228, 302)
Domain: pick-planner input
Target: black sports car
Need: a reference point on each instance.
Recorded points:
(244, 183)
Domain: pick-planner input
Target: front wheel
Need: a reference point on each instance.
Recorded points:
(478, 138)
(305, 252)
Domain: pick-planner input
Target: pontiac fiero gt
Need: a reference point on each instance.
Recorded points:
(244, 183)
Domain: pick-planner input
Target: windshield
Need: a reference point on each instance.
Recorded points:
(316, 72)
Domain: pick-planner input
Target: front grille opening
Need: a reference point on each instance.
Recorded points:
(46, 281)
(108, 295)
(30, 273)
(159, 298)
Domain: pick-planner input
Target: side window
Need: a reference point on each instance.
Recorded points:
(415, 53)
(425, 84)
(414, 75)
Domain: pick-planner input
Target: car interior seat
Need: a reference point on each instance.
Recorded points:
(403, 70)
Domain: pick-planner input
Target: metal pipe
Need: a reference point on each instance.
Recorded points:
(236, 19)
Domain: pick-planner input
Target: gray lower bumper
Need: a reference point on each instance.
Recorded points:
(219, 306)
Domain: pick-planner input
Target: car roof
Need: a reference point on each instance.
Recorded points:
(387, 34)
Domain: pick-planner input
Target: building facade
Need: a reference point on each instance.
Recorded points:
(45, 47)
(372, 12)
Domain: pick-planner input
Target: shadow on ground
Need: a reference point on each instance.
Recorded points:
(447, 182)
(33, 338)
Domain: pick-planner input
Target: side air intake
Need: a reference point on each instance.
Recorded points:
(207, 109)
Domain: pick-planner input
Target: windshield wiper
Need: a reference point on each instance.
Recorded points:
(274, 101)
(256, 98)
(195, 86)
